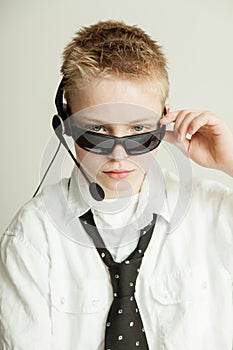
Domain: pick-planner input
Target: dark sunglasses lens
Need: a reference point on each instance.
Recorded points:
(104, 144)
(97, 144)
(143, 144)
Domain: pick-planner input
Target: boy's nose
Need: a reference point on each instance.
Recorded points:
(118, 153)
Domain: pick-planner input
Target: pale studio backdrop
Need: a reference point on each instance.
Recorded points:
(197, 39)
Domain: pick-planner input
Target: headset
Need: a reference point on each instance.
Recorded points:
(62, 125)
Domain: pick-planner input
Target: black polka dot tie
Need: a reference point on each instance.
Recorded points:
(124, 327)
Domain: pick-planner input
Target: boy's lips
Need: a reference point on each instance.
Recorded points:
(118, 174)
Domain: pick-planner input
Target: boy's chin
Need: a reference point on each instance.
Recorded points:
(121, 189)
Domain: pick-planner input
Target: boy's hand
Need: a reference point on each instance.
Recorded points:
(210, 141)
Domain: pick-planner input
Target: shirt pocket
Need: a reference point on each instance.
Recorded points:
(89, 297)
(170, 289)
(178, 298)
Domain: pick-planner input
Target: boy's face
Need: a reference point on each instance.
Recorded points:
(119, 108)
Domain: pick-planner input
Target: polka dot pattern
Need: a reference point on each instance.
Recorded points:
(126, 331)
(124, 327)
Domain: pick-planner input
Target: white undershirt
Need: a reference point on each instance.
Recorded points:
(118, 225)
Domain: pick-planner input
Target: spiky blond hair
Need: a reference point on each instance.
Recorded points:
(112, 48)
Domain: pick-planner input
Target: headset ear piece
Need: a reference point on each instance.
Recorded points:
(64, 123)
(63, 110)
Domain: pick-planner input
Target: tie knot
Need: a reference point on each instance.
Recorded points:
(123, 277)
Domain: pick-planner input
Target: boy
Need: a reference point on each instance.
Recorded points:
(64, 256)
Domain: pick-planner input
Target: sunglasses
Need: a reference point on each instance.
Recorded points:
(104, 144)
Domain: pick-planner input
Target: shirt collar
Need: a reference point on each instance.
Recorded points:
(152, 198)
(76, 205)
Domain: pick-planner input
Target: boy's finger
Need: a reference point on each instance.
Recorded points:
(172, 137)
(168, 118)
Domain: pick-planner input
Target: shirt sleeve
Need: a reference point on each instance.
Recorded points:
(24, 295)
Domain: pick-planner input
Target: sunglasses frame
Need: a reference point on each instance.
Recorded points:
(78, 133)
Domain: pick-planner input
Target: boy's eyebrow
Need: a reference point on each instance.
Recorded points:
(99, 121)
(148, 120)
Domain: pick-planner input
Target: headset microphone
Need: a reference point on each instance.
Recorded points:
(95, 190)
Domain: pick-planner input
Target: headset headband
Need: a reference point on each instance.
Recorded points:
(59, 100)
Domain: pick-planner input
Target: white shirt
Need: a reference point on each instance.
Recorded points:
(55, 291)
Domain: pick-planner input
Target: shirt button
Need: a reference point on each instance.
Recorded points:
(204, 285)
(95, 302)
(62, 301)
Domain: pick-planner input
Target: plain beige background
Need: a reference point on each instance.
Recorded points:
(197, 39)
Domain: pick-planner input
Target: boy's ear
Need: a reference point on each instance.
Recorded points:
(167, 109)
